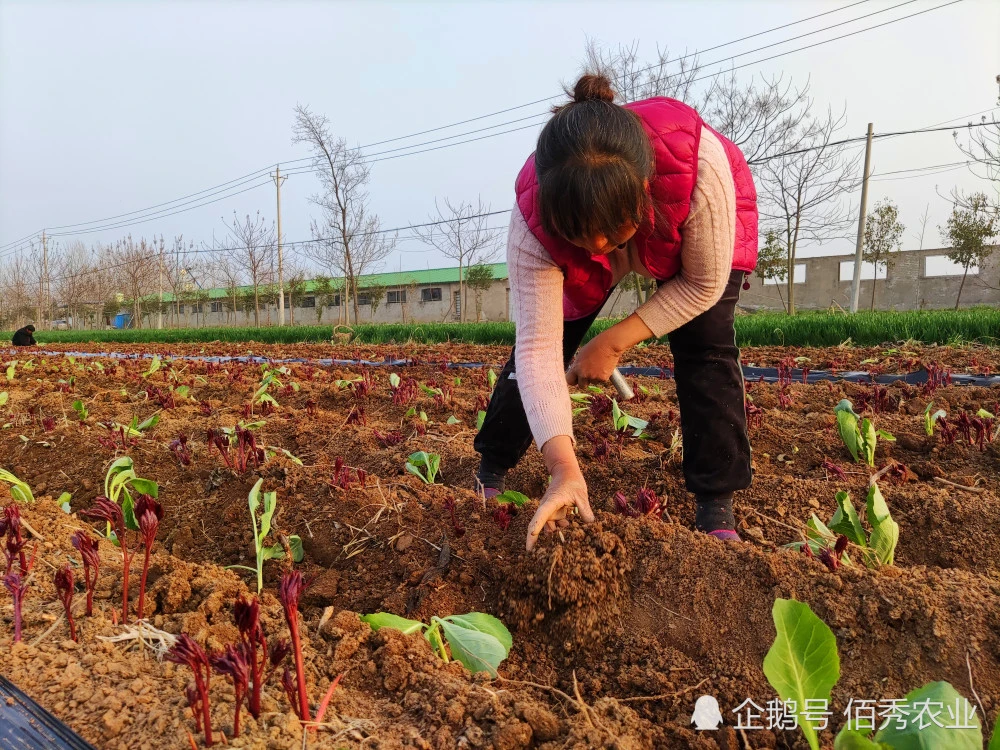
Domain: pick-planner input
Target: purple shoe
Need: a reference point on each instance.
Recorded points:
(725, 535)
(491, 492)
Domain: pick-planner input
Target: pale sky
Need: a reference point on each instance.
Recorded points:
(111, 108)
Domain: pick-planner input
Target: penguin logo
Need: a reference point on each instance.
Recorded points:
(706, 714)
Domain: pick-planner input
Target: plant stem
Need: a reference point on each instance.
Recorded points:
(142, 584)
(126, 563)
(203, 682)
(300, 673)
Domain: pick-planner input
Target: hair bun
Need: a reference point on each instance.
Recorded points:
(593, 88)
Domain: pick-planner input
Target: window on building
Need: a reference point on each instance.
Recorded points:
(396, 297)
(308, 302)
(364, 298)
(458, 305)
(335, 301)
(180, 309)
(800, 277)
(198, 309)
(216, 307)
(868, 271)
(288, 301)
(940, 265)
(430, 294)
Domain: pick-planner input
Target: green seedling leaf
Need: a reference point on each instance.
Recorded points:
(847, 426)
(4, 397)
(995, 738)
(431, 391)
(381, 620)
(19, 490)
(274, 450)
(802, 663)
(581, 398)
(63, 501)
(453, 420)
(476, 650)
(868, 439)
(931, 419)
(411, 412)
(458, 381)
(887, 436)
(885, 531)
(81, 410)
(146, 487)
(423, 416)
(921, 732)
(154, 366)
(480, 418)
(394, 380)
(594, 389)
(149, 423)
(510, 496)
(491, 378)
(485, 624)
(182, 391)
(846, 521)
(429, 462)
(983, 414)
(11, 371)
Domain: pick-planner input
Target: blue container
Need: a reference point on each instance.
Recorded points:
(123, 320)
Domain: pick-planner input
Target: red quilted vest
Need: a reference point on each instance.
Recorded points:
(674, 130)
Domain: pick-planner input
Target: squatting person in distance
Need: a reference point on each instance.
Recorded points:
(646, 187)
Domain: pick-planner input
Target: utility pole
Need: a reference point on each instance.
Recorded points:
(278, 179)
(159, 320)
(45, 280)
(859, 249)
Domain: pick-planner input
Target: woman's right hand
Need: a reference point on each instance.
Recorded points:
(566, 491)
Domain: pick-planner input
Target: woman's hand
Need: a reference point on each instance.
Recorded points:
(566, 490)
(596, 361)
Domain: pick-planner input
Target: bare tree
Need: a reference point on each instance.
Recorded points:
(348, 239)
(254, 244)
(460, 232)
(924, 218)
(136, 270)
(634, 79)
(883, 238)
(805, 187)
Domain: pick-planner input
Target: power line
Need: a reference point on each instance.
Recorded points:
(410, 153)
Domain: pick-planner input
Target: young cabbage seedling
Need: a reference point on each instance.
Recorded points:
(19, 490)
(858, 433)
(623, 421)
(931, 419)
(429, 462)
(260, 532)
(81, 410)
(477, 640)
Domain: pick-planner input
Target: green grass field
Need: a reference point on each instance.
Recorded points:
(980, 325)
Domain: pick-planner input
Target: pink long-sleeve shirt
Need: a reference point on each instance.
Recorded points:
(708, 236)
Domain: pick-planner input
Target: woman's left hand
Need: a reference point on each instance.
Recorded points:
(595, 362)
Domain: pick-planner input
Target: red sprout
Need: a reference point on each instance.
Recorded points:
(204, 408)
(784, 397)
(194, 703)
(831, 557)
(48, 424)
(16, 543)
(105, 510)
(646, 503)
(388, 439)
(288, 682)
(450, 506)
(831, 468)
(149, 513)
(502, 517)
(289, 591)
(948, 433)
(246, 613)
(187, 651)
(357, 415)
(87, 547)
(278, 652)
(180, 450)
(754, 414)
(18, 587)
(405, 392)
(64, 589)
(311, 407)
(233, 663)
(600, 405)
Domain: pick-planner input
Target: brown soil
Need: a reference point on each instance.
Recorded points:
(624, 608)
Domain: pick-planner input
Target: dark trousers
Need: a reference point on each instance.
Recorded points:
(709, 395)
